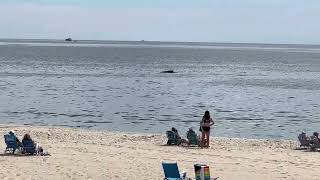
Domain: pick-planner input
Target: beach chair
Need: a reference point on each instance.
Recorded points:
(28, 147)
(202, 172)
(172, 138)
(11, 142)
(171, 172)
(314, 143)
(193, 138)
(304, 140)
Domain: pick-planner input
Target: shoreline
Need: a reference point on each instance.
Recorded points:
(94, 154)
(182, 133)
(136, 132)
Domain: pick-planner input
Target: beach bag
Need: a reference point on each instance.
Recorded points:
(202, 172)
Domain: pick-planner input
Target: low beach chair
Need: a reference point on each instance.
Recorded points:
(11, 142)
(28, 147)
(171, 172)
(314, 143)
(172, 138)
(304, 140)
(193, 138)
(202, 172)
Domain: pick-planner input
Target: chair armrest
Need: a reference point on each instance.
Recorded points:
(183, 175)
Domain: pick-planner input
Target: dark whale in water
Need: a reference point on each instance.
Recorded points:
(169, 71)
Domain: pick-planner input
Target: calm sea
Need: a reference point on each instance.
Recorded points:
(251, 90)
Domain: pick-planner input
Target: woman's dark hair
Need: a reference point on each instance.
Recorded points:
(26, 137)
(206, 115)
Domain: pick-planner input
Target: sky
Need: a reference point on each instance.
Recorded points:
(239, 21)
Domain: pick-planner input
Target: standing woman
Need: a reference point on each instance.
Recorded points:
(205, 125)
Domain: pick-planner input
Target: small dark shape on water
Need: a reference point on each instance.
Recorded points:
(169, 71)
(68, 39)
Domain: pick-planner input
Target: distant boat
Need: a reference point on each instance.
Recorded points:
(68, 39)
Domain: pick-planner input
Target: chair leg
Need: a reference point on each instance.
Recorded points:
(168, 142)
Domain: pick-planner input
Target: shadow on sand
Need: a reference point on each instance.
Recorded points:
(15, 155)
(306, 149)
(183, 145)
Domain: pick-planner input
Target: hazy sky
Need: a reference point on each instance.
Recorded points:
(262, 21)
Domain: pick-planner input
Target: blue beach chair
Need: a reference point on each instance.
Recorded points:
(11, 142)
(28, 147)
(171, 172)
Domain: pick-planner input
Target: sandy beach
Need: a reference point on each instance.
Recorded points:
(88, 154)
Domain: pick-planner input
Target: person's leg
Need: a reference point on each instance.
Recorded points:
(36, 148)
(208, 138)
(184, 141)
(205, 139)
(202, 138)
(168, 142)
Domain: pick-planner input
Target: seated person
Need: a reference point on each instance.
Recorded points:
(178, 136)
(12, 133)
(192, 136)
(176, 132)
(37, 148)
(191, 132)
(315, 141)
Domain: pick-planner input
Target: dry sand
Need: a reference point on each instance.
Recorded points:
(83, 154)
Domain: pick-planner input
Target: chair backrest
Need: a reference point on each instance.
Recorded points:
(202, 172)
(28, 146)
(192, 137)
(171, 170)
(11, 141)
(171, 135)
(303, 139)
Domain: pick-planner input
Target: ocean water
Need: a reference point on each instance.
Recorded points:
(251, 90)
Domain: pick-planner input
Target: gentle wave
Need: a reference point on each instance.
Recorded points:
(264, 92)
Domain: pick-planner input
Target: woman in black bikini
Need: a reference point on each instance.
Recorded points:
(205, 125)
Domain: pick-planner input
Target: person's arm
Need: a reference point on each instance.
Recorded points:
(34, 144)
(178, 135)
(211, 122)
(201, 122)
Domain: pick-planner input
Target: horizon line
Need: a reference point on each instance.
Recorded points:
(160, 41)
